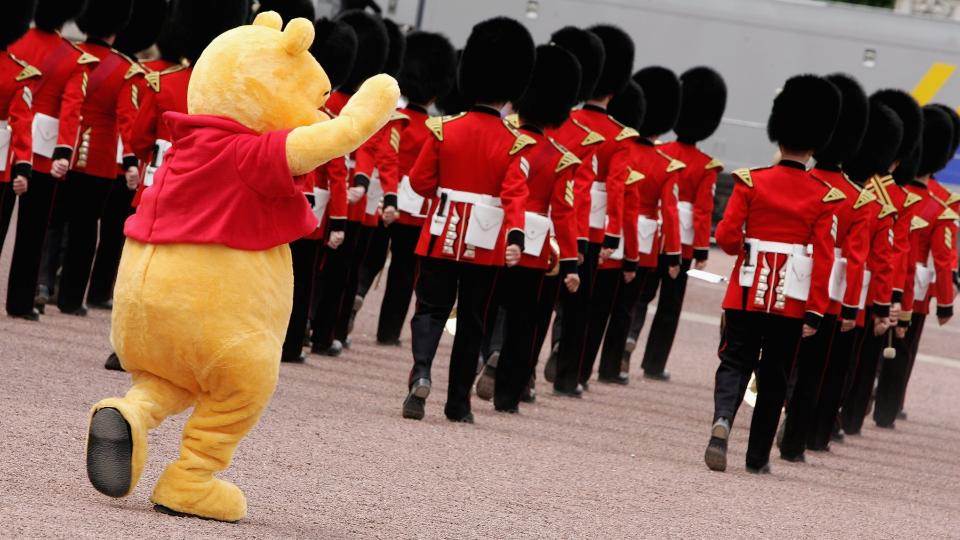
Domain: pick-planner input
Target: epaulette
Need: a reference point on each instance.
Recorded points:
(85, 57)
(714, 164)
(592, 136)
(568, 159)
(674, 164)
(948, 214)
(135, 69)
(917, 222)
(744, 176)
(522, 141)
(833, 195)
(634, 177)
(153, 78)
(912, 199)
(626, 132)
(435, 123)
(28, 70)
(397, 115)
(953, 199)
(865, 198)
(514, 120)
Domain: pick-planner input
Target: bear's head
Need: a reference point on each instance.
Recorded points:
(260, 76)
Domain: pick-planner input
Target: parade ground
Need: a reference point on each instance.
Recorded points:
(332, 458)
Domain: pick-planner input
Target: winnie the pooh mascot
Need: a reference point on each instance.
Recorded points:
(205, 284)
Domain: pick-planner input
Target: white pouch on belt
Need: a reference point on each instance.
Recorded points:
(409, 200)
(796, 284)
(374, 194)
(5, 136)
(536, 229)
(838, 279)
(685, 213)
(45, 130)
(864, 288)
(748, 268)
(598, 209)
(646, 233)
(617, 254)
(921, 282)
(321, 197)
(483, 227)
(161, 147)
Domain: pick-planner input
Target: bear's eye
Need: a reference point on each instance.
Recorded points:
(327, 93)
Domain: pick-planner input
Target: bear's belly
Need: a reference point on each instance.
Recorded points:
(188, 304)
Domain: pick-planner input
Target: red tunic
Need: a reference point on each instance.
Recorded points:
(650, 178)
(583, 142)
(332, 177)
(953, 201)
(379, 158)
(932, 243)
(15, 111)
(854, 215)
(697, 187)
(471, 153)
(782, 203)
(905, 203)
(60, 91)
(414, 136)
(222, 183)
(880, 261)
(550, 184)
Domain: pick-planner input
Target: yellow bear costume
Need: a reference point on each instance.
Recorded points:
(202, 324)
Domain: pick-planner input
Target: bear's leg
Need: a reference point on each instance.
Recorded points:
(117, 438)
(237, 393)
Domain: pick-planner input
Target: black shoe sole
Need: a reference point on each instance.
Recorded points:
(110, 453)
(486, 384)
(716, 458)
(170, 512)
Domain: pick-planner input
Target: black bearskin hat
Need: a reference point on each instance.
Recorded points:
(617, 62)
(497, 61)
(851, 125)
(335, 48)
(661, 88)
(588, 50)
(170, 40)
(372, 45)
(909, 112)
(454, 102)
(398, 47)
(629, 106)
(289, 9)
(804, 113)
(909, 169)
(703, 99)
(144, 27)
(429, 67)
(52, 14)
(553, 88)
(102, 18)
(937, 145)
(17, 15)
(955, 120)
(880, 144)
(201, 22)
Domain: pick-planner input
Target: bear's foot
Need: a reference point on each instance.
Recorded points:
(164, 510)
(110, 453)
(183, 493)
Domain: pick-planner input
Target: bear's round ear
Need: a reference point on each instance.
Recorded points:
(270, 19)
(297, 36)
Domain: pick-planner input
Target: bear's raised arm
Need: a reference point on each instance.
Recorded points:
(367, 111)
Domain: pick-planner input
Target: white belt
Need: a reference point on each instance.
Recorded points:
(5, 138)
(4, 124)
(837, 253)
(782, 248)
(453, 195)
(599, 186)
(685, 205)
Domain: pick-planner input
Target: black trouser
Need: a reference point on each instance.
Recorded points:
(663, 329)
(621, 317)
(400, 278)
(54, 243)
(440, 284)
(605, 287)
(374, 258)
(32, 219)
(913, 343)
(85, 201)
(107, 259)
(861, 385)
(331, 288)
(549, 295)
(804, 388)
(7, 200)
(304, 253)
(575, 308)
(842, 358)
(361, 241)
(894, 374)
(765, 343)
(495, 326)
(519, 289)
